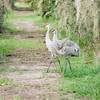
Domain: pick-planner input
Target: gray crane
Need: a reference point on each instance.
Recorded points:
(64, 47)
(50, 43)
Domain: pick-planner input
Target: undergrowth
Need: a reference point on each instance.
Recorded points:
(83, 80)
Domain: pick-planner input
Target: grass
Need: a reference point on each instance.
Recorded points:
(22, 5)
(84, 80)
(5, 81)
(7, 69)
(12, 17)
(17, 97)
(8, 45)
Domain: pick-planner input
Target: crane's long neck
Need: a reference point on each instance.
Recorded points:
(47, 35)
(55, 36)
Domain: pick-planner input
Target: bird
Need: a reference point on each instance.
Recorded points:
(58, 43)
(49, 43)
(64, 47)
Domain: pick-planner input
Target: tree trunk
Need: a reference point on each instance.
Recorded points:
(12, 4)
(2, 12)
(7, 4)
(96, 32)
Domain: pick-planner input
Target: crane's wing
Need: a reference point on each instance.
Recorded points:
(68, 48)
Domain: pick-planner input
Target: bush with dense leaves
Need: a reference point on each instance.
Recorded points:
(46, 7)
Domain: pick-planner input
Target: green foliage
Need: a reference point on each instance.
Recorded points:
(7, 69)
(86, 43)
(33, 3)
(65, 11)
(46, 7)
(87, 86)
(86, 40)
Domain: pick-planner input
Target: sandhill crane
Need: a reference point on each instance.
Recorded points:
(49, 43)
(63, 47)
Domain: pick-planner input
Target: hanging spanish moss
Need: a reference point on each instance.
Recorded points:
(66, 13)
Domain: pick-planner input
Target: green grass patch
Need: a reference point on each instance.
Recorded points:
(8, 45)
(22, 5)
(7, 69)
(17, 97)
(5, 81)
(84, 80)
(14, 16)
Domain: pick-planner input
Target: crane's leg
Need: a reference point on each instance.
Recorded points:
(69, 64)
(49, 66)
(65, 68)
(59, 63)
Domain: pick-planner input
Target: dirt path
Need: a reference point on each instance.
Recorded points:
(31, 82)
